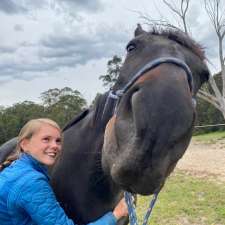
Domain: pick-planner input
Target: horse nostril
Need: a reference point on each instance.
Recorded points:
(124, 174)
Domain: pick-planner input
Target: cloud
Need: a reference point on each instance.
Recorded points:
(74, 7)
(11, 7)
(80, 48)
(58, 51)
(212, 49)
(84, 5)
(7, 49)
(76, 10)
(18, 27)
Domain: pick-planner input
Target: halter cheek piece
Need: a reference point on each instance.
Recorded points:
(117, 95)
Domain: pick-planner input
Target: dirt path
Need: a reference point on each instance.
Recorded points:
(205, 160)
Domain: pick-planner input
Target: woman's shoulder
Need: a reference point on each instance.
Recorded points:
(20, 178)
(19, 173)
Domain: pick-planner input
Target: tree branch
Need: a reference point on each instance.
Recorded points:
(209, 96)
(201, 94)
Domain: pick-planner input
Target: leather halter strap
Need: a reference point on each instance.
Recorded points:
(116, 95)
(153, 64)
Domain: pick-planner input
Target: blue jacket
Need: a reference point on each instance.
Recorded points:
(26, 197)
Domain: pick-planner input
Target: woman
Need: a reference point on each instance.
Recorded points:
(26, 197)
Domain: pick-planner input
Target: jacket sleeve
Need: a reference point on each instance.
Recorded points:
(107, 219)
(38, 200)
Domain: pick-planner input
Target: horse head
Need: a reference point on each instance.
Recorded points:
(155, 112)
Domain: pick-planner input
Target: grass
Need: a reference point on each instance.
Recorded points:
(186, 200)
(210, 137)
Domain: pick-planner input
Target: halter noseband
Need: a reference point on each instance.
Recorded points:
(117, 95)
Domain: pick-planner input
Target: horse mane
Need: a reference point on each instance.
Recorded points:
(103, 108)
(181, 38)
(76, 119)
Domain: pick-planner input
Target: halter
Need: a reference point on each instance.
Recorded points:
(117, 95)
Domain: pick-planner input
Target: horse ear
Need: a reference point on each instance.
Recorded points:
(139, 30)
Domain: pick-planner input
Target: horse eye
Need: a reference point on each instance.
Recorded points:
(131, 47)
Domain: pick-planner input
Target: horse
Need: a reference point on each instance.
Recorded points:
(133, 136)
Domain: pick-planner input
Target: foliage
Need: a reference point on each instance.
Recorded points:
(14, 117)
(60, 105)
(95, 99)
(187, 200)
(113, 69)
(207, 114)
(210, 138)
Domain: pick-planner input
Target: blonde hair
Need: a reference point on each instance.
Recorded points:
(27, 131)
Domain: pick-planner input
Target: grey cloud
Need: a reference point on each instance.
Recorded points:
(70, 8)
(23, 71)
(87, 5)
(210, 42)
(194, 15)
(56, 52)
(18, 27)
(7, 49)
(21, 7)
(105, 43)
(11, 7)
(13, 70)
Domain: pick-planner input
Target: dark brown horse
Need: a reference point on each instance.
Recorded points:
(135, 145)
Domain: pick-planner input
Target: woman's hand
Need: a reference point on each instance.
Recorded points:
(121, 209)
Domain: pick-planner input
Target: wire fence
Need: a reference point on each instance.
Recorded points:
(210, 125)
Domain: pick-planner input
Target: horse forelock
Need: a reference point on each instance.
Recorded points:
(181, 38)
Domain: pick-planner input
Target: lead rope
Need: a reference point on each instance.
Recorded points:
(131, 208)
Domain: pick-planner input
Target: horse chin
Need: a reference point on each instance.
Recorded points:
(145, 184)
(146, 189)
(142, 189)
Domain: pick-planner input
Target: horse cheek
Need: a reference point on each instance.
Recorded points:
(109, 146)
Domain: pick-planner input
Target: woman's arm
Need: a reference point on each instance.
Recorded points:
(38, 200)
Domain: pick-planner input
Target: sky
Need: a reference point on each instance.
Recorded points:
(48, 44)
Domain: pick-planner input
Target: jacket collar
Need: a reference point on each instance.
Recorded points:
(34, 163)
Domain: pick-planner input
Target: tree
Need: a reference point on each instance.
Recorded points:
(63, 104)
(207, 113)
(60, 105)
(1, 108)
(180, 12)
(215, 10)
(14, 117)
(113, 69)
(50, 96)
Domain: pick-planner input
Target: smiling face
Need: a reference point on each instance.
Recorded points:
(44, 145)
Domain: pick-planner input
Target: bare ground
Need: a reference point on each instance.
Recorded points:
(204, 160)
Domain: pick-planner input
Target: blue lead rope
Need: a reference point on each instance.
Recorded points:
(131, 208)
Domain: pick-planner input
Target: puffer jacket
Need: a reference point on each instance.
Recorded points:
(26, 197)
